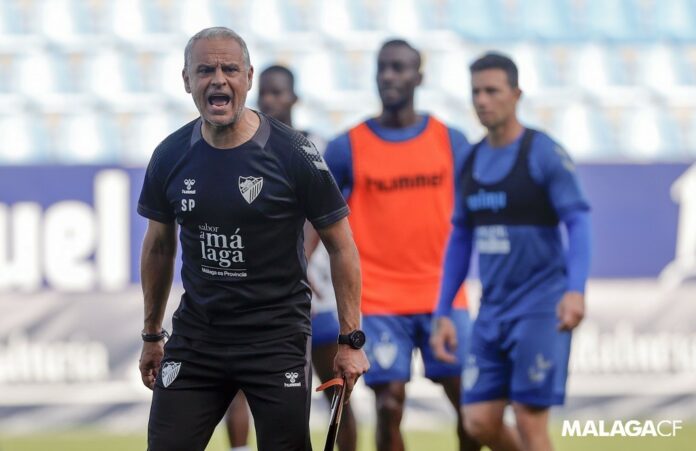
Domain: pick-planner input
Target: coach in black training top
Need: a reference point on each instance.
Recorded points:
(240, 185)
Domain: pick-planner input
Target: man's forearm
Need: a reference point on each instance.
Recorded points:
(345, 273)
(156, 273)
(456, 267)
(157, 281)
(579, 251)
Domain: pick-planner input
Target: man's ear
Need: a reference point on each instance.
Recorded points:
(187, 85)
(250, 76)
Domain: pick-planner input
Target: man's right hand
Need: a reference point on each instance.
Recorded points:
(350, 364)
(150, 361)
(443, 339)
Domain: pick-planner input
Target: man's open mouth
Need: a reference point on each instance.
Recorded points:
(219, 99)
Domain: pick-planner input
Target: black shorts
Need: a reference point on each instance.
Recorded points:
(197, 381)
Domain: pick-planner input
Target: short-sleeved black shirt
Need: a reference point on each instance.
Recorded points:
(241, 213)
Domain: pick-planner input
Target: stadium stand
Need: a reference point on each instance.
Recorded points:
(98, 81)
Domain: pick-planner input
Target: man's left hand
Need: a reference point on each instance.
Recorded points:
(351, 364)
(571, 310)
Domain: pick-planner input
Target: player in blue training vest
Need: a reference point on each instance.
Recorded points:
(513, 190)
(239, 186)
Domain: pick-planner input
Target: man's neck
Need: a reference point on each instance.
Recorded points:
(232, 136)
(401, 118)
(286, 119)
(505, 133)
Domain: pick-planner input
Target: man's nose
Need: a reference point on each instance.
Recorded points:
(218, 77)
(386, 74)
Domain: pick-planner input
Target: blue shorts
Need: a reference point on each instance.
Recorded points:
(391, 340)
(523, 360)
(325, 329)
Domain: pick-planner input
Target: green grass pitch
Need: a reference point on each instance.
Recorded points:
(89, 440)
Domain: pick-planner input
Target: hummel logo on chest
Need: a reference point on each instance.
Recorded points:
(189, 185)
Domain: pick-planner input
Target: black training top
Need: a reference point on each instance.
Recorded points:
(241, 213)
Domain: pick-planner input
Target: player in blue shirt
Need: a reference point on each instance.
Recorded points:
(239, 186)
(514, 188)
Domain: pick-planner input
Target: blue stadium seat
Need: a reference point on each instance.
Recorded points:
(194, 15)
(10, 62)
(126, 19)
(24, 140)
(434, 14)
(449, 71)
(354, 69)
(57, 20)
(35, 75)
(592, 69)
(266, 20)
(365, 15)
(107, 75)
(618, 20)
(551, 20)
(676, 19)
(402, 18)
(658, 68)
(584, 133)
(169, 80)
(68, 68)
(297, 15)
(158, 17)
(685, 63)
(553, 63)
(316, 75)
(144, 132)
(87, 138)
(234, 15)
(648, 134)
(10, 18)
(485, 20)
(70, 20)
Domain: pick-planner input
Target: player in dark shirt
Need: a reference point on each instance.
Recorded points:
(276, 98)
(239, 185)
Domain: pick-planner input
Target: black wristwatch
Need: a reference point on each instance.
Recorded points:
(151, 338)
(355, 339)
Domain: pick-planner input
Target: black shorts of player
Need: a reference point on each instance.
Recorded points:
(197, 381)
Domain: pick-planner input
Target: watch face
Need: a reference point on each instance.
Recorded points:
(357, 339)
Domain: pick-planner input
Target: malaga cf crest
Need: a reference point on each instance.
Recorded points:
(250, 187)
(170, 371)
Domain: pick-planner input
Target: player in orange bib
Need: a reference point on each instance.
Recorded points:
(397, 172)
